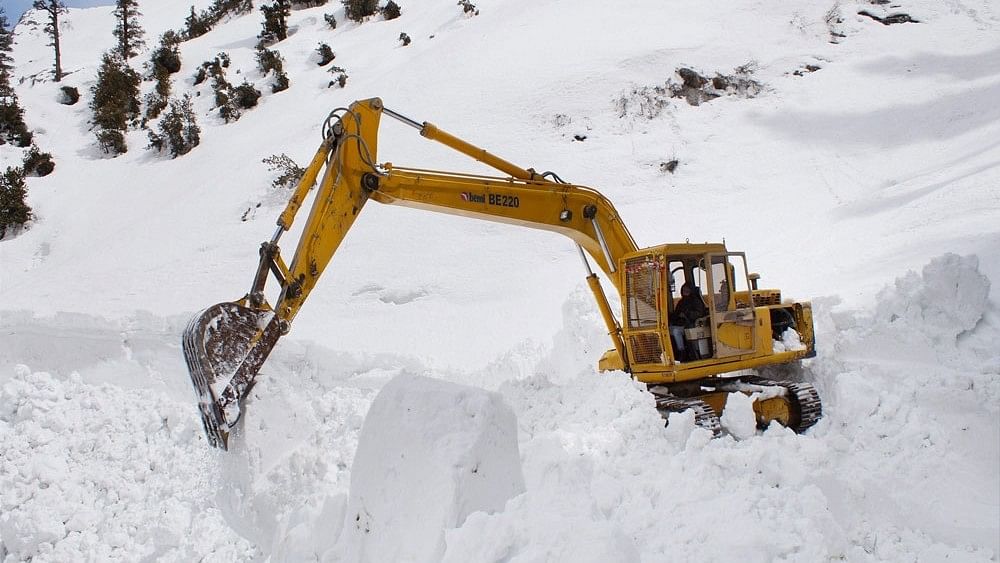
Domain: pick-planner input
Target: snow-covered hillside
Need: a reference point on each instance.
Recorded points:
(870, 185)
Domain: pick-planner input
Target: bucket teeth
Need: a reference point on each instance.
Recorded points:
(224, 347)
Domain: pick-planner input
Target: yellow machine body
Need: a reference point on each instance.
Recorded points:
(738, 332)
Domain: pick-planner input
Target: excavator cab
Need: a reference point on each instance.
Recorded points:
(654, 281)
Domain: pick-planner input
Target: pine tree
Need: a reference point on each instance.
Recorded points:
(52, 9)
(245, 96)
(326, 54)
(6, 60)
(289, 173)
(391, 10)
(156, 101)
(128, 31)
(275, 25)
(179, 131)
(14, 211)
(222, 8)
(468, 8)
(12, 126)
(358, 10)
(165, 60)
(195, 25)
(37, 163)
(271, 61)
(13, 129)
(115, 103)
(167, 55)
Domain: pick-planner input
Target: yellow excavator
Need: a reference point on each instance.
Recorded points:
(694, 325)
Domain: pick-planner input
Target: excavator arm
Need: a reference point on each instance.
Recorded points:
(226, 344)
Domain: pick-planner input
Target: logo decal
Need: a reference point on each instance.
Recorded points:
(499, 200)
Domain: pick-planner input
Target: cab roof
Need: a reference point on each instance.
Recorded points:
(678, 249)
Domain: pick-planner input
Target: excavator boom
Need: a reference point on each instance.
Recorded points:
(226, 344)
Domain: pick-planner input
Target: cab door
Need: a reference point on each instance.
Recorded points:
(645, 313)
(733, 322)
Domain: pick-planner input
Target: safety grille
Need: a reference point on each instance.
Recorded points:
(646, 348)
(642, 290)
(762, 298)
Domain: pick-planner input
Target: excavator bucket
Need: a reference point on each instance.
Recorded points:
(224, 347)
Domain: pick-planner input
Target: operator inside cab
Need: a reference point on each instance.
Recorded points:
(687, 312)
(687, 307)
(692, 279)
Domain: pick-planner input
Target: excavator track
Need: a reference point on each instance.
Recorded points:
(704, 416)
(806, 404)
(809, 406)
(802, 398)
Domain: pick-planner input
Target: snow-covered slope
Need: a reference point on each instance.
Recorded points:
(836, 182)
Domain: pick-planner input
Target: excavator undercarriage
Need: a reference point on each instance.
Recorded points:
(693, 361)
(792, 404)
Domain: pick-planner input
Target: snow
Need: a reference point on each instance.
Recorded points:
(790, 341)
(100, 472)
(869, 186)
(430, 454)
(738, 418)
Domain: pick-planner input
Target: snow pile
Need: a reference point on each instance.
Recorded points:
(607, 482)
(99, 473)
(430, 454)
(937, 306)
(790, 342)
(738, 418)
(911, 393)
(924, 318)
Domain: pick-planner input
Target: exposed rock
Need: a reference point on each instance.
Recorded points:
(890, 19)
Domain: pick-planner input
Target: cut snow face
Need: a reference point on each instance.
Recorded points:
(430, 454)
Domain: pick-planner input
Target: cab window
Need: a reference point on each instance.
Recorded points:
(729, 279)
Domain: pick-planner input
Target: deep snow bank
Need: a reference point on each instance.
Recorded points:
(902, 467)
(100, 473)
(911, 393)
(430, 454)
